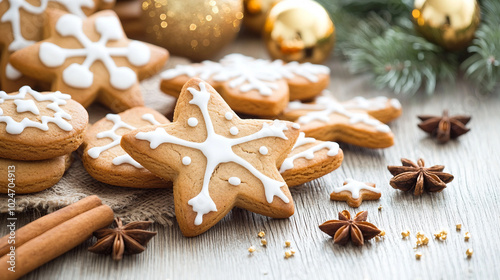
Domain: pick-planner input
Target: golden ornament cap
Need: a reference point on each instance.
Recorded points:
(299, 30)
(256, 12)
(450, 24)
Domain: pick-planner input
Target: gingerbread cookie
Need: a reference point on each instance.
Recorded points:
(32, 176)
(91, 59)
(105, 160)
(252, 86)
(37, 126)
(350, 122)
(213, 157)
(354, 192)
(21, 25)
(309, 160)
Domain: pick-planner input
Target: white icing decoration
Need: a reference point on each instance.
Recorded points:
(228, 116)
(263, 150)
(13, 15)
(192, 122)
(395, 103)
(326, 106)
(354, 187)
(150, 118)
(217, 149)
(333, 150)
(247, 73)
(79, 75)
(234, 130)
(95, 152)
(296, 126)
(26, 106)
(57, 99)
(235, 181)
(377, 103)
(186, 160)
(12, 73)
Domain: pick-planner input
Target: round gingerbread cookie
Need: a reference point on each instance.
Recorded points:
(106, 161)
(24, 177)
(38, 126)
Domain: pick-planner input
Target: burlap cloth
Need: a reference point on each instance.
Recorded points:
(128, 203)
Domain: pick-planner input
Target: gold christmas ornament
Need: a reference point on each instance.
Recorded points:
(299, 30)
(448, 23)
(196, 29)
(256, 12)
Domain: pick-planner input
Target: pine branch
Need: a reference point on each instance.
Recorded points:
(483, 67)
(397, 57)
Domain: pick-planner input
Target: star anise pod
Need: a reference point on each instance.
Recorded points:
(417, 178)
(444, 127)
(357, 230)
(126, 239)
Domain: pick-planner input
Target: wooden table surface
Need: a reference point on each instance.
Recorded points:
(472, 199)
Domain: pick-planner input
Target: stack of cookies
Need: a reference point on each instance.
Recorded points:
(38, 133)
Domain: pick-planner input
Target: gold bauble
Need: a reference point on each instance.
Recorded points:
(196, 29)
(256, 12)
(448, 23)
(299, 30)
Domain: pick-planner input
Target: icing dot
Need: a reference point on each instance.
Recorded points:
(263, 150)
(296, 126)
(233, 130)
(228, 116)
(186, 160)
(192, 122)
(235, 181)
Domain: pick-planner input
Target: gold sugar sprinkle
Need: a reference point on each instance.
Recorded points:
(459, 226)
(261, 234)
(467, 236)
(469, 252)
(263, 242)
(251, 249)
(288, 254)
(292, 252)
(288, 243)
(442, 235)
(418, 256)
(382, 233)
(405, 234)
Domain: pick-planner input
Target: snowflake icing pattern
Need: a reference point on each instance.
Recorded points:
(218, 149)
(23, 105)
(13, 15)
(117, 124)
(247, 73)
(79, 75)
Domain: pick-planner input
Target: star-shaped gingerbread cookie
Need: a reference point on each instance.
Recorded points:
(21, 25)
(357, 121)
(91, 59)
(104, 158)
(252, 86)
(354, 192)
(309, 160)
(213, 158)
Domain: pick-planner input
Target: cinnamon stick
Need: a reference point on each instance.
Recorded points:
(56, 241)
(47, 222)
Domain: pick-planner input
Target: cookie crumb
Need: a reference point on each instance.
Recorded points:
(261, 234)
(442, 235)
(405, 234)
(459, 227)
(382, 233)
(380, 208)
(469, 252)
(251, 249)
(263, 242)
(467, 236)
(418, 256)
(288, 243)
